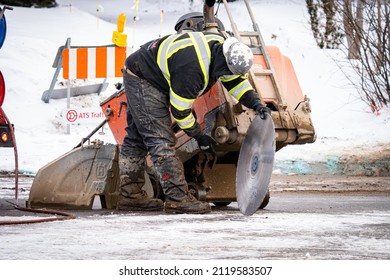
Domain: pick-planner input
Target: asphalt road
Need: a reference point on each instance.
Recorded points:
(314, 218)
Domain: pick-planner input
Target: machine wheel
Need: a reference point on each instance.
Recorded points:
(221, 203)
(265, 201)
(197, 190)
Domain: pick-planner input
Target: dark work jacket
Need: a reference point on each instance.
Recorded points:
(186, 77)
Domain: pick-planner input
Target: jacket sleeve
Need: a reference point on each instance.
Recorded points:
(183, 93)
(240, 88)
(186, 120)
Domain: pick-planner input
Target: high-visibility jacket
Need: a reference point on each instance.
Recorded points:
(184, 66)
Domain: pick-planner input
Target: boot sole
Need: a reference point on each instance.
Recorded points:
(178, 211)
(140, 209)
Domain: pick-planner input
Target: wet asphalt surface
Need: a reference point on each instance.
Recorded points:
(307, 218)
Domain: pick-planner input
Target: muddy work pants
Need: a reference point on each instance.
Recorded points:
(149, 131)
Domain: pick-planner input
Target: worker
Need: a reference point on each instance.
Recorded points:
(164, 77)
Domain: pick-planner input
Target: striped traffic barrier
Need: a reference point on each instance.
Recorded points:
(93, 62)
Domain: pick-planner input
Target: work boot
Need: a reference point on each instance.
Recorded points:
(133, 198)
(139, 202)
(131, 180)
(189, 205)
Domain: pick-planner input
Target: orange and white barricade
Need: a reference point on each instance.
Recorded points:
(93, 62)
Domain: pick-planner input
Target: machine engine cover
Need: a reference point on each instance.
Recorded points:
(255, 164)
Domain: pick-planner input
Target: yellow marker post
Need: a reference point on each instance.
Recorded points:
(99, 9)
(135, 20)
(161, 21)
(118, 37)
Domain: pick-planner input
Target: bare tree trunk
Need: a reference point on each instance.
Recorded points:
(349, 30)
(359, 24)
(380, 46)
(367, 31)
(328, 6)
(323, 23)
(387, 12)
(353, 26)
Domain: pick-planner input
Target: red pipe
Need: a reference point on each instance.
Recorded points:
(64, 216)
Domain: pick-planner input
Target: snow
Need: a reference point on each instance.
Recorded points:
(258, 237)
(344, 124)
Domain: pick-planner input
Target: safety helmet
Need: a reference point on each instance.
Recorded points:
(239, 57)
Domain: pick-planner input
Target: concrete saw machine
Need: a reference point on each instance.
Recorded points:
(240, 167)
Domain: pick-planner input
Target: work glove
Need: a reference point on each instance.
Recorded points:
(210, 3)
(205, 141)
(262, 110)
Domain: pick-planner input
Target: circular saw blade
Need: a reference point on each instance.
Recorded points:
(255, 165)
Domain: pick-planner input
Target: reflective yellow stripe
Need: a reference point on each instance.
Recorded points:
(240, 89)
(162, 60)
(178, 45)
(211, 37)
(187, 122)
(204, 56)
(228, 78)
(171, 45)
(180, 103)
